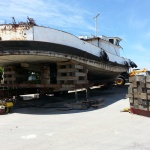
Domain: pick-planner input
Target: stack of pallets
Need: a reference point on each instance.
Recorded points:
(71, 73)
(139, 95)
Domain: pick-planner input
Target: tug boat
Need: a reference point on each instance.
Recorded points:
(28, 44)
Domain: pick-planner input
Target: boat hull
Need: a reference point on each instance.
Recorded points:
(35, 52)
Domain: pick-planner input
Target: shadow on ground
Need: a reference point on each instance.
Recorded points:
(49, 105)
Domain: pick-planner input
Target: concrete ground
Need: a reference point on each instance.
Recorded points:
(105, 128)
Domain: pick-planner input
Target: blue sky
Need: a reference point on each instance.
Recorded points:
(127, 19)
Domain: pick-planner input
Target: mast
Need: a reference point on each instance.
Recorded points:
(96, 24)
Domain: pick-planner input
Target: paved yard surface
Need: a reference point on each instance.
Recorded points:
(105, 128)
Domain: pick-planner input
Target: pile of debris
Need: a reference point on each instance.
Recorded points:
(82, 105)
(139, 95)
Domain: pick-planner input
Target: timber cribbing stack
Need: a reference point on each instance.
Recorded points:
(139, 95)
(71, 73)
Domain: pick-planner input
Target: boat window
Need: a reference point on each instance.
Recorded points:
(117, 42)
(111, 41)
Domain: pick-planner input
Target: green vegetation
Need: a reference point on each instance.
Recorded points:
(1, 72)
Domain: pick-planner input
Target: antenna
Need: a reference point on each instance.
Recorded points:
(96, 24)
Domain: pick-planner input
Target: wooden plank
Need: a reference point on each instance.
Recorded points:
(81, 74)
(10, 72)
(31, 85)
(66, 70)
(82, 82)
(67, 78)
(66, 63)
(78, 66)
(68, 85)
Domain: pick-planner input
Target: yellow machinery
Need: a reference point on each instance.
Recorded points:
(138, 71)
(5, 107)
(122, 78)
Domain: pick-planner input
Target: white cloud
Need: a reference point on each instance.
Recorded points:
(139, 47)
(136, 22)
(48, 13)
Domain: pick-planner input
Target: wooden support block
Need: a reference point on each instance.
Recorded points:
(140, 101)
(142, 90)
(148, 78)
(131, 100)
(143, 107)
(129, 95)
(144, 102)
(148, 96)
(130, 90)
(136, 95)
(137, 78)
(147, 85)
(135, 90)
(142, 84)
(71, 73)
(135, 106)
(143, 95)
(134, 84)
(148, 91)
(136, 102)
(138, 84)
(131, 105)
(140, 107)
